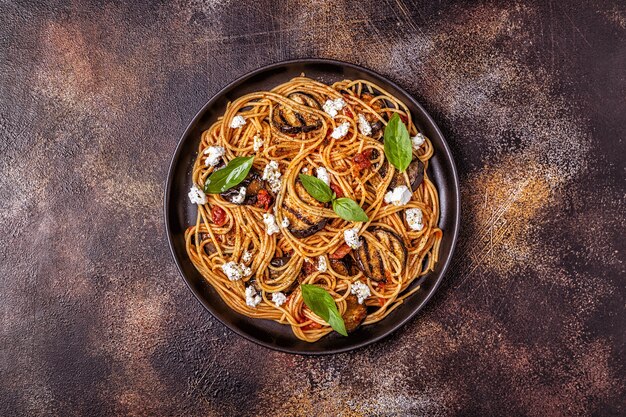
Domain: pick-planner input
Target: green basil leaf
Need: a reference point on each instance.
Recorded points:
(229, 176)
(398, 149)
(323, 304)
(349, 210)
(317, 188)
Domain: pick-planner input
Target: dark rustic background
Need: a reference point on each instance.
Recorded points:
(95, 319)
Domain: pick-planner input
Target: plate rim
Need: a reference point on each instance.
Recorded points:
(455, 191)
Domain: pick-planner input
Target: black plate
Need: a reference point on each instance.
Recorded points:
(180, 213)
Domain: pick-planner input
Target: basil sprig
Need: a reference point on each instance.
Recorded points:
(345, 208)
(349, 210)
(318, 189)
(229, 176)
(322, 303)
(398, 149)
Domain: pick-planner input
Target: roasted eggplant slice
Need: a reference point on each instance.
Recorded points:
(253, 184)
(301, 223)
(292, 122)
(369, 259)
(415, 172)
(355, 313)
(305, 99)
(279, 262)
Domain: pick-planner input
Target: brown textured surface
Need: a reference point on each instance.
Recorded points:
(95, 319)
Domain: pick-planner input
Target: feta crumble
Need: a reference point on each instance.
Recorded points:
(364, 126)
(322, 174)
(332, 107)
(272, 174)
(361, 290)
(239, 197)
(270, 224)
(414, 218)
(399, 196)
(246, 270)
(279, 298)
(214, 154)
(285, 222)
(235, 271)
(258, 143)
(247, 256)
(340, 131)
(196, 195)
(305, 170)
(322, 264)
(237, 122)
(351, 236)
(418, 140)
(252, 298)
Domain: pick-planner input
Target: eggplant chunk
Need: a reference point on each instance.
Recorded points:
(340, 266)
(278, 262)
(253, 183)
(301, 223)
(415, 172)
(354, 315)
(369, 259)
(209, 247)
(292, 122)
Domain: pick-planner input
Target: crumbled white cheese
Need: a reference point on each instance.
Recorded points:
(361, 290)
(233, 271)
(247, 256)
(239, 197)
(214, 154)
(285, 222)
(279, 298)
(258, 143)
(332, 107)
(252, 298)
(237, 122)
(270, 224)
(399, 196)
(414, 217)
(351, 236)
(322, 174)
(418, 140)
(272, 174)
(322, 264)
(340, 131)
(196, 195)
(305, 170)
(364, 126)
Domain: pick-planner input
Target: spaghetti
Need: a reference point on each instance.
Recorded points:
(299, 126)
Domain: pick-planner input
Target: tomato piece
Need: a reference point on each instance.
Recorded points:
(264, 200)
(362, 160)
(218, 215)
(348, 112)
(313, 326)
(309, 268)
(337, 189)
(342, 251)
(404, 119)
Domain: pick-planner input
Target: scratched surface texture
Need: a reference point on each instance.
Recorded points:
(95, 319)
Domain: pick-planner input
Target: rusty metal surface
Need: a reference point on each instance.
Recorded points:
(95, 319)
